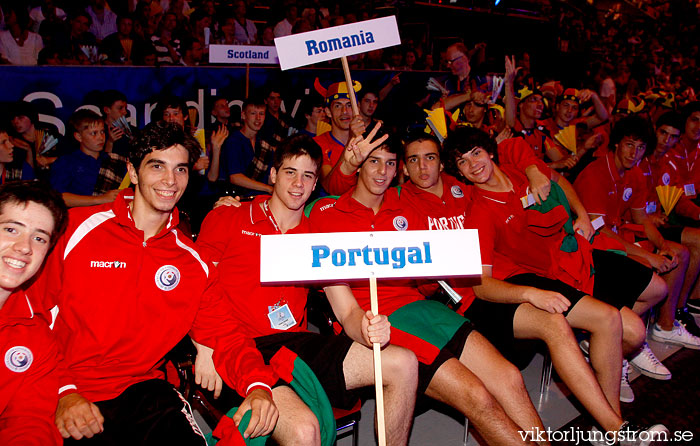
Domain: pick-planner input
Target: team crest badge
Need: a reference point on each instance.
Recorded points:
(666, 179)
(456, 191)
(400, 223)
(627, 193)
(18, 358)
(167, 277)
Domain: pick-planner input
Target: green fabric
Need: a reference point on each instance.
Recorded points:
(310, 206)
(558, 197)
(431, 321)
(309, 389)
(257, 441)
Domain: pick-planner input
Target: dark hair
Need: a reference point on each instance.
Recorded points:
(82, 119)
(311, 102)
(23, 108)
(81, 13)
(254, 100)
(365, 90)
(213, 100)
(671, 119)
(161, 135)
(420, 136)
(391, 145)
(5, 128)
(298, 145)
(22, 192)
(688, 110)
(109, 97)
(186, 45)
(170, 101)
(464, 140)
(635, 127)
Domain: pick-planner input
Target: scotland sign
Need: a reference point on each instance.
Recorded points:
(308, 48)
(243, 54)
(360, 255)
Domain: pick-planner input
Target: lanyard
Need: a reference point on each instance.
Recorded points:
(687, 164)
(612, 177)
(268, 214)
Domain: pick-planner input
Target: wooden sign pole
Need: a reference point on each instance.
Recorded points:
(378, 384)
(351, 90)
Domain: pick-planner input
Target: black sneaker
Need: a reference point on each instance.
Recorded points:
(686, 319)
(693, 306)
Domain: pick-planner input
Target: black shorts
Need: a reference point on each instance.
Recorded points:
(619, 280)
(453, 349)
(147, 413)
(495, 320)
(323, 354)
(672, 233)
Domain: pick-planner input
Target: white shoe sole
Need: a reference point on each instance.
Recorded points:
(626, 400)
(651, 374)
(674, 342)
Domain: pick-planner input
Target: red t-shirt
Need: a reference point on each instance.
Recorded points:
(346, 214)
(231, 237)
(603, 191)
(508, 233)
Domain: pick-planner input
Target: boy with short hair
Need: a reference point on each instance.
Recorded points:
(32, 217)
(88, 176)
(459, 366)
(230, 237)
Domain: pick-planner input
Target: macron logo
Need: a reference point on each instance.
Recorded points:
(100, 264)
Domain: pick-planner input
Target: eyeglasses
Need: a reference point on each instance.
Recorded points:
(451, 61)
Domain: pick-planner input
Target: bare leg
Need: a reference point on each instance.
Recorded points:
(690, 238)
(456, 385)
(652, 294)
(400, 378)
(297, 424)
(674, 280)
(604, 324)
(633, 331)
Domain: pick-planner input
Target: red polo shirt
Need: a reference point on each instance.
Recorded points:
(603, 191)
(231, 237)
(439, 213)
(518, 152)
(348, 215)
(686, 160)
(508, 234)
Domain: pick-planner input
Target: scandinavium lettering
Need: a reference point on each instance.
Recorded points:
(380, 256)
(323, 46)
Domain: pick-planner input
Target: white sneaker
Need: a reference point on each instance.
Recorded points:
(678, 335)
(626, 393)
(648, 364)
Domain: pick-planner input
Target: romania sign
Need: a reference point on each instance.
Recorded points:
(308, 48)
(360, 255)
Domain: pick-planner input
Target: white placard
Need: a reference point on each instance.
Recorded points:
(311, 47)
(243, 54)
(360, 255)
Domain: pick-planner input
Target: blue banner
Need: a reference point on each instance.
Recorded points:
(58, 91)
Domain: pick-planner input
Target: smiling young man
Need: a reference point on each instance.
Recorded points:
(612, 186)
(31, 218)
(230, 238)
(153, 289)
(531, 293)
(457, 366)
